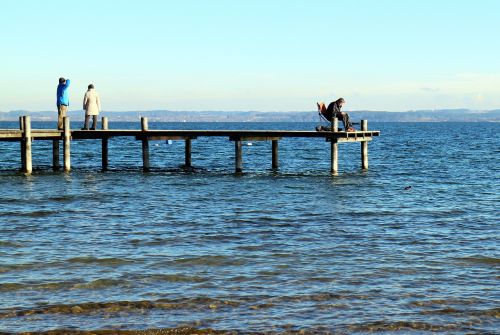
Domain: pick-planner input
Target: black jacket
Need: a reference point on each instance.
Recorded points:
(332, 110)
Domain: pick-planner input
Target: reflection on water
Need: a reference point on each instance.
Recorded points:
(176, 252)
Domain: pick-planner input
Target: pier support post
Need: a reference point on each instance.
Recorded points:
(26, 138)
(334, 161)
(187, 158)
(55, 155)
(238, 156)
(23, 150)
(67, 144)
(364, 147)
(104, 151)
(275, 164)
(145, 145)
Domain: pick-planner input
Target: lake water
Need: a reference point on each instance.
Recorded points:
(294, 251)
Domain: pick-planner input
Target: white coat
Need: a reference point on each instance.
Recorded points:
(91, 102)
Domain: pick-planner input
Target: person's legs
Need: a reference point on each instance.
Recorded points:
(340, 117)
(86, 124)
(94, 122)
(61, 114)
(346, 121)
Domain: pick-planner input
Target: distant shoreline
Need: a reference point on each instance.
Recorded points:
(445, 115)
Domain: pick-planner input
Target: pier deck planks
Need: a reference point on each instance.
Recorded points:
(49, 134)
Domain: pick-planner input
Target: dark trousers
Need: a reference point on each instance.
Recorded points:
(94, 121)
(345, 119)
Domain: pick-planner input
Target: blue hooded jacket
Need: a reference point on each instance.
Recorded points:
(62, 93)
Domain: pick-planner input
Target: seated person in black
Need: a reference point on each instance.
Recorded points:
(333, 110)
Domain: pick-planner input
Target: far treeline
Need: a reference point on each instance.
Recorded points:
(445, 115)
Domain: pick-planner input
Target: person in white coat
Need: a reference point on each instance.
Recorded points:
(92, 106)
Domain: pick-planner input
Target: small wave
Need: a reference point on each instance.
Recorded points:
(14, 200)
(54, 286)
(33, 214)
(9, 244)
(174, 278)
(99, 283)
(64, 198)
(74, 197)
(385, 326)
(217, 260)
(32, 266)
(482, 260)
(249, 247)
(199, 303)
(378, 213)
(493, 312)
(316, 297)
(445, 302)
(18, 267)
(5, 287)
(100, 261)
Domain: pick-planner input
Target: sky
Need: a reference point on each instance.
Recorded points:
(252, 55)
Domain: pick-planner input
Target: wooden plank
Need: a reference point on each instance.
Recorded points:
(275, 160)
(238, 156)
(23, 149)
(187, 153)
(334, 148)
(12, 135)
(55, 155)
(351, 140)
(355, 134)
(28, 167)
(145, 145)
(242, 134)
(165, 138)
(364, 147)
(254, 138)
(104, 145)
(67, 144)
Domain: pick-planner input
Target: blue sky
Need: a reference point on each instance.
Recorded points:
(256, 55)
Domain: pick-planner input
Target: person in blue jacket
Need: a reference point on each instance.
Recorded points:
(62, 101)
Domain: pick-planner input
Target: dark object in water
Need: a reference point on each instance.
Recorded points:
(408, 188)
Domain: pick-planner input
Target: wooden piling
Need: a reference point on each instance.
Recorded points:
(55, 155)
(275, 164)
(334, 160)
(23, 149)
(187, 158)
(364, 146)
(238, 156)
(104, 151)
(145, 145)
(28, 167)
(67, 144)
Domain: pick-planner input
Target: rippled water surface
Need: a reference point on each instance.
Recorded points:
(288, 251)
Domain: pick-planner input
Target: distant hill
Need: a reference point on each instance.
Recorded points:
(444, 115)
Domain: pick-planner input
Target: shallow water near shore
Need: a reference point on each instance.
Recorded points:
(260, 252)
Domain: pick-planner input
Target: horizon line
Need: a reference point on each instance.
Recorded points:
(254, 111)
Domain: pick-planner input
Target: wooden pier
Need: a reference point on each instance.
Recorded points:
(25, 135)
